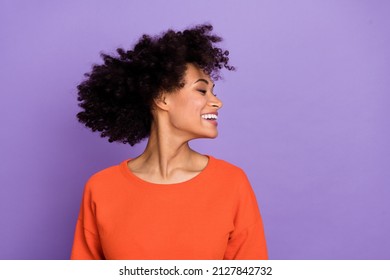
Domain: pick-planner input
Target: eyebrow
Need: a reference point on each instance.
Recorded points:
(205, 81)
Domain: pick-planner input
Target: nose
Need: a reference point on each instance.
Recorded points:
(215, 102)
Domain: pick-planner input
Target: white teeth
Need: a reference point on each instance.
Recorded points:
(210, 117)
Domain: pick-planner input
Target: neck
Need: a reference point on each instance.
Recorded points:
(166, 153)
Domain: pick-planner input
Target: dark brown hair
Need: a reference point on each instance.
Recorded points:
(116, 96)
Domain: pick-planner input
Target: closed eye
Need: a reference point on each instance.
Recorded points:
(203, 92)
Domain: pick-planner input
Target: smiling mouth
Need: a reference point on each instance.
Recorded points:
(210, 117)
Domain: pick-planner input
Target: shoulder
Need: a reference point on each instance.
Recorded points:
(227, 170)
(105, 174)
(230, 177)
(109, 176)
(223, 165)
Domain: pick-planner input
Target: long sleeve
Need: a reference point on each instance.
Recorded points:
(86, 244)
(212, 216)
(247, 241)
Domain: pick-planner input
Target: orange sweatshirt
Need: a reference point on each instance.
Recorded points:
(212, 216)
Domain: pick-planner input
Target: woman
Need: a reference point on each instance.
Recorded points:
(170, 202)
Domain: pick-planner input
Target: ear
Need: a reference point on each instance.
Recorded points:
(160, 102)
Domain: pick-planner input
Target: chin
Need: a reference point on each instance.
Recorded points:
(205, 135)
(211, 136)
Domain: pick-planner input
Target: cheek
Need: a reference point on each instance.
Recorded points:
(190, 107)
(187, 114)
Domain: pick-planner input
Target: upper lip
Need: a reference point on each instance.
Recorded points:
(214, 113)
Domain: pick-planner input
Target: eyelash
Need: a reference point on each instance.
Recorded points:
(204, 92)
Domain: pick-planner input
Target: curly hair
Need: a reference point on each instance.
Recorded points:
(117, 95)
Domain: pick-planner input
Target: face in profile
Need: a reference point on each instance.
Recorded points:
(193, 109)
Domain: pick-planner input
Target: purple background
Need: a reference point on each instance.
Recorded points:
(306, 116)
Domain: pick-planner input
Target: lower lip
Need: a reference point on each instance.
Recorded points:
(214, 122)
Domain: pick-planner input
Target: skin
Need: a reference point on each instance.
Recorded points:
(167, 158)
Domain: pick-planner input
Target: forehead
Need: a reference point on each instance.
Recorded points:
(194, 73)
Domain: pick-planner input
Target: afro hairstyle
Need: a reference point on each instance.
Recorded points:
(117, 96)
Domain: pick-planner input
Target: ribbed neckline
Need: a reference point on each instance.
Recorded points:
(193, 181)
